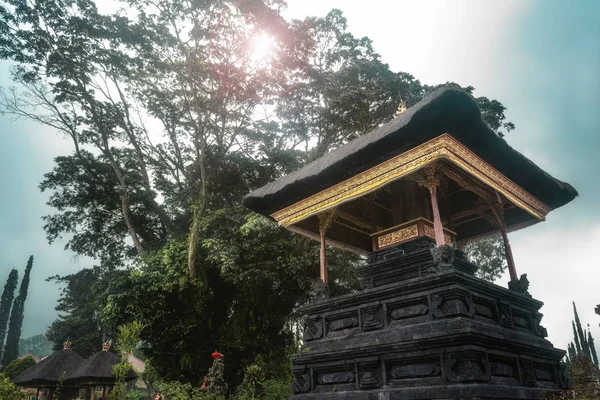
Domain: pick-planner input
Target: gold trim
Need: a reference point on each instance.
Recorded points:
(408, 223)
(442, 147)
(398, 236)
(430, 232)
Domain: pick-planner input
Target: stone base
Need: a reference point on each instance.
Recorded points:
(425, 330)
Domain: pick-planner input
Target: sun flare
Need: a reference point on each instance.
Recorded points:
(262, 47)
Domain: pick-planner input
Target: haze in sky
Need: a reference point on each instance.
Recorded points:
(540, 58)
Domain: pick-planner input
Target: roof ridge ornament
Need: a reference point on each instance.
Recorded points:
(67, 345)
(401, 108)
(106, 346)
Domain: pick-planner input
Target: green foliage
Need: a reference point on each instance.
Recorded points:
(11, 348)
(6, 302)
(256, 386)
(56, 394)
(583, 345)
(184, 391)
(17, 366)
(128, 338)
(8, 390)
(38, 345)
(172, 121)
(489, 256)
(82, 298)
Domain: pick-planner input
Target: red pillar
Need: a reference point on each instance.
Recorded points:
(437, 219)
(508, 251)
(323, 258)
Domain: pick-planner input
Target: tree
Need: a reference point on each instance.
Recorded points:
(8, 295)
(37, 345)
(489, 256)
(583, 342)
(172, 121)
(17, 366)
(11, 348)
(79, 306)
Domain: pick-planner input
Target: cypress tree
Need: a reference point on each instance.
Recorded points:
(11, 349)
(8, 294)
(583, 341)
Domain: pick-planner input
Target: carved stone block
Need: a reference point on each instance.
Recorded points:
(506, 318)
(331, 378)
(527, 373)
(538, 329)
(371, 317)
(408, 311)
(369, 375)
(451, 304)
(301, 382)
(415, 370)
(467, 367)
(313, 328)
(443, 256)
(344, 323)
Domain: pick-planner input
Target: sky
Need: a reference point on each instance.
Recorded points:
(540, 58)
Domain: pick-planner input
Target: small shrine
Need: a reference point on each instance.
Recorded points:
(407, 196)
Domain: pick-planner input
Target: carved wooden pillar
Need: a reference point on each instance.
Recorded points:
(498, 210)
(437, 219)
(325, 219)
(430, 179)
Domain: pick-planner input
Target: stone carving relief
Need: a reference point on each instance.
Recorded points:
(538, 329)
(369, 375)
(443, 256)
(467, 367)
(527, 373)
(506, 317)
(452, 303)
(410, 371)
(313, 328)
(520, 286)
(301, 383)
(371, 317)
(344, 323)
(320, 290)
(330, 378)
(409, 311)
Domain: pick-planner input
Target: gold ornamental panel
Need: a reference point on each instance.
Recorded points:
(398, 236)
(443, 147)
(430, 231)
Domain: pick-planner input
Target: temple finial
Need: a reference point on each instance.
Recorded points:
(67, 345)
(106, 346)
(401, 108)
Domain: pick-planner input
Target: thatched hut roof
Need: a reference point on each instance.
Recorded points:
(97, 370)
(448, 109)
(48, 372)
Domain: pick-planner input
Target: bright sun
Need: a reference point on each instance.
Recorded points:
(262, 47)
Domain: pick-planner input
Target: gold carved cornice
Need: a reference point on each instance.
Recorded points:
(444, 147)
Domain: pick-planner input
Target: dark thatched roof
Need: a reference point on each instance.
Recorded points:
(97, 370)
(48, 371)
(449, 109)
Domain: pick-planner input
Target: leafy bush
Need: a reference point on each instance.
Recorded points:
(8, 390)
(15, 367)
(184, 391)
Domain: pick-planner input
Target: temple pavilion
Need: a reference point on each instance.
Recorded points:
(97, 372)
(408, 195)
(46, 374)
